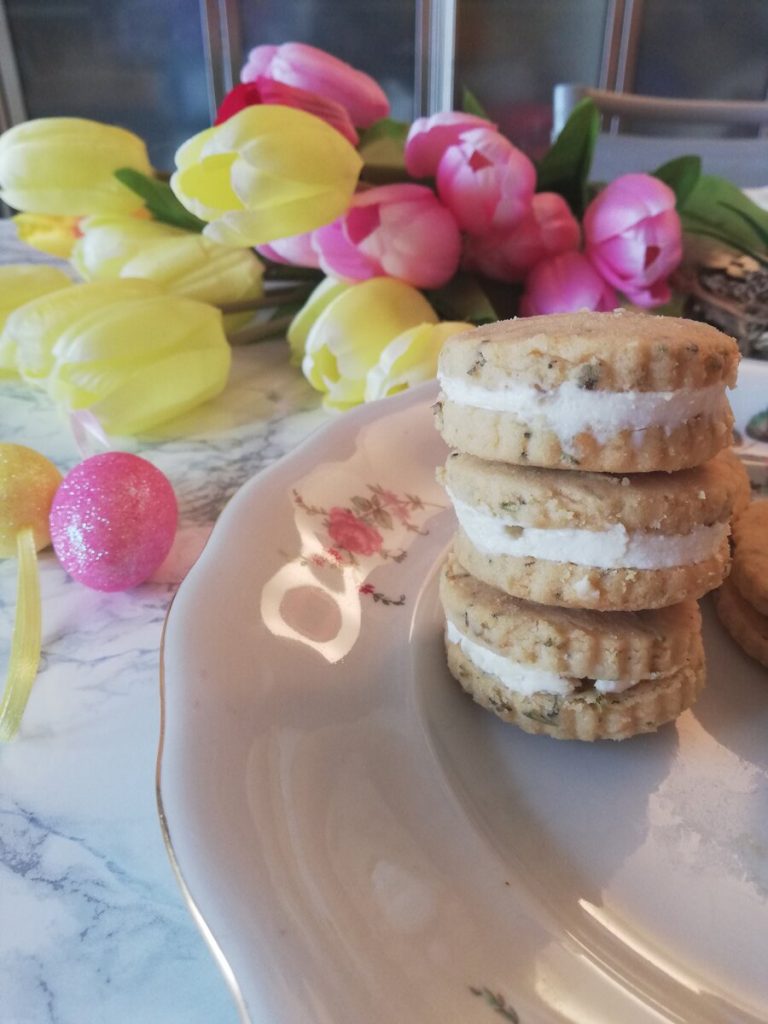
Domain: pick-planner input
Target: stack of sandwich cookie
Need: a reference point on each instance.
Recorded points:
(592, 540)
(613, 392)
(742, 601)
(587, 475)
(569, 673)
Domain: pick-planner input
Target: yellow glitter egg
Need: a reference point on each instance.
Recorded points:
(28, 482)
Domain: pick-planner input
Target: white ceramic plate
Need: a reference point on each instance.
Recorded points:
(362, 844)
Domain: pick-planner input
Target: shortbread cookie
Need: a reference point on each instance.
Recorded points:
(750, 555)
(570, 675)
(570, 642)
(615, 392)
(592, 540)
(740, 482)
(745, 624)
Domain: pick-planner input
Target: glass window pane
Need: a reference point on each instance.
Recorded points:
(511, 54)
(377, 36)
(727, 62)
(136, 63)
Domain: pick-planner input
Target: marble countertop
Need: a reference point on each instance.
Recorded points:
(93, 927)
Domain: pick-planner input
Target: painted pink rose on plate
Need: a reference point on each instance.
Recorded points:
(352, 533)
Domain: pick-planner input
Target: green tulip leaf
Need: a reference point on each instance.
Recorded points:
(761, 230)
(681, 174)
(470, 104)
(565, 167)
(719, 209)
(382, 147)
(463, 298)
(159, 199)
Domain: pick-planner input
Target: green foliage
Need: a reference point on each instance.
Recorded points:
(159, 199)
(470, 104)
(681, 174)
(383, 144)
(719, 209)
(463, 298)
(565, 167)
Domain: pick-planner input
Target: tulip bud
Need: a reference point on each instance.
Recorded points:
(321, 297)
(401, 231)
(296, 251)
(409, 359)
(429, 137)
(66, 165)
(348, 337)
(53, 235)
(130, 353)
(251, 177)
(485, 182)
(264, 90)
(566, 283)
(633, 237)
(107, 243)
(35, 328)
(549, 228)
(201, 269)
(135, 364)
(19, 284)
(315, 71)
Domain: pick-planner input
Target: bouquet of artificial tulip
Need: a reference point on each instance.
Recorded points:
(392, 236)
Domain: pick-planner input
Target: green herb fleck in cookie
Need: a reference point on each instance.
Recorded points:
(588, 377)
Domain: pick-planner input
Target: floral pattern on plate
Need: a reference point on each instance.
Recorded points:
(354, 531)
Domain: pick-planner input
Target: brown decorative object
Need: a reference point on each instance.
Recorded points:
(730, 291)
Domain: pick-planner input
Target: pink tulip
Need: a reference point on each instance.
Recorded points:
(634, 237)
(566, 283)
(547, 229)
(401, 231)
(265, 90)
(429, 137)
(485, 181)
(306, 67)
(296, 251)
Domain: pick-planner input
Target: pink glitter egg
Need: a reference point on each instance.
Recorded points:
(113, 521)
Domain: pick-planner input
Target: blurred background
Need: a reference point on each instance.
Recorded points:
(159, 67)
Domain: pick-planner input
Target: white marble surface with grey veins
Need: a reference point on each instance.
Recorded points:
(93, 927)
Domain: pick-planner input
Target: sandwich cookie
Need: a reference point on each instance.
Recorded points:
(740, 482)
(742, 620)
(750, 555)
(742, 601)
(592, 540)
(570, 674)
(613, 392)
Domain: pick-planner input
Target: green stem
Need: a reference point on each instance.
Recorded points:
(261, 332)
(283, 272)
(270, 300)
(708, 232)
(372, 174)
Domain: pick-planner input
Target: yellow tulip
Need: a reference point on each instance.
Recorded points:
(180, 261)
(107, 243)
(139, 363)
(19, 284)
(268, 172)
(34, 328)
(409, 359)
(66, 165)
(347, 339)
(54, 235)
(321, 297)
(199, 268)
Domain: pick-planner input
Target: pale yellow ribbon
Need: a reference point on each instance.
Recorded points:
(26, 638)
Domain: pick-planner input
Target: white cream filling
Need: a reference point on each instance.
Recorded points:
(613, 548)
(524, 679)
(569, 410)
